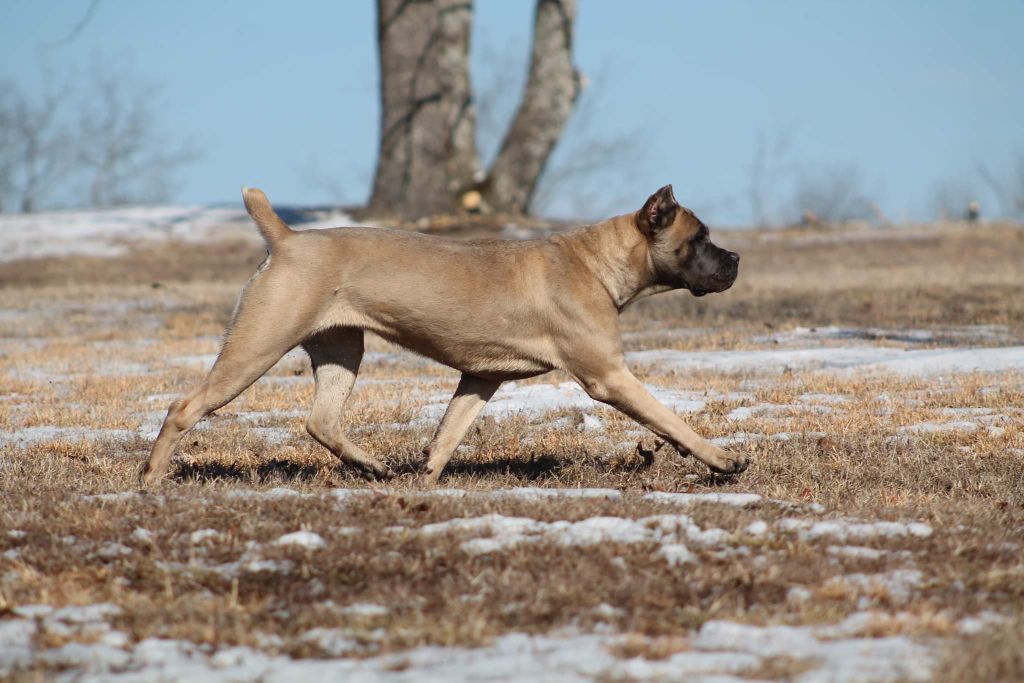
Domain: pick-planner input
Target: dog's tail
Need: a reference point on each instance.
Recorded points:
(262, 213)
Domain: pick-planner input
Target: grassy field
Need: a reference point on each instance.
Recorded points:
(876, 376)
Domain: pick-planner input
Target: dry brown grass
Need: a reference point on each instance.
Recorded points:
(92, 344)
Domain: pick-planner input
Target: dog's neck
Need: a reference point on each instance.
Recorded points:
(616, 253)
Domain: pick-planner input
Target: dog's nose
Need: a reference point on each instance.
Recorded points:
(734, 256)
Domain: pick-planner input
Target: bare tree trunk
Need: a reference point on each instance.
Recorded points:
(551, 91)
(427, 156)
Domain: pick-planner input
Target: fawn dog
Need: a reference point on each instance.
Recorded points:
(495, 310)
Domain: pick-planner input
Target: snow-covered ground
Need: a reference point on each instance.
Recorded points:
(840, 360)
(720, 652)
(111, 232)
(676, 534)
(92, 649)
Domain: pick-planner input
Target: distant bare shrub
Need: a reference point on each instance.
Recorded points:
(35, 146)
(831, 194)
(95, 141)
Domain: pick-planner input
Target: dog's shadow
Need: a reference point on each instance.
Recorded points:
(272, 470)
(534, 469)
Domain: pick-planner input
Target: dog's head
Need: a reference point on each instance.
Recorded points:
(681, 248)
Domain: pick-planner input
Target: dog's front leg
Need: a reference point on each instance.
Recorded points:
(620, 389)
(470, 397)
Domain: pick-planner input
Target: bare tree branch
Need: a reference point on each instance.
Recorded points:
(770, 168)
(79, 27)
(1009, 193)
(586, 153)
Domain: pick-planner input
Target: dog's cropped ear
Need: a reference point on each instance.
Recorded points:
(658, 213)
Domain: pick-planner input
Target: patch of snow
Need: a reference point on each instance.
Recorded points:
(507, 532)
(839, 661)
(142, 535)
(334, 642)
(113, 497)
(272, 566)
(737, 438)
(302, 539)
(939, 427)
(677, 554)
(855, 551)
(848, 530)
(255, 416)
(111, 231)
(272, 494)
(536, 399)
(272, 435)
(839, 360)
(756, 528)
(33, 611)
(744, 437)
(534, 493)
(747, 412)
(956, 412)
(111, 551)
(970, 626)
(951, 335)
(898, 584)
(823, 398)
(84, 614)
(203, 535)
(28, 436)
(688, 499)
(364, 609)
(106, 232)
(17, 638)
(719, 651)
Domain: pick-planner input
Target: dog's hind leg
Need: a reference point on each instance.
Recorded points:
(470, 397)
(335, 355)
(267, 324)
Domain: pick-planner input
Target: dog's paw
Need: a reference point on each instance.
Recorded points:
(377, 472)
(147, 477)
(728, 462)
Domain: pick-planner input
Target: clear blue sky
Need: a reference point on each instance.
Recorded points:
(910, 92)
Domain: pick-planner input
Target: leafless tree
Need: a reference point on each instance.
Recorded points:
(97, 142)
(428, 157)
(35, 146)
(122, 154)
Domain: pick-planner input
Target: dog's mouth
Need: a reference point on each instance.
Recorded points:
(709, 287)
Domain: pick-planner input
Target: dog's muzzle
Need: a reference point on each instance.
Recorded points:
(723, 279)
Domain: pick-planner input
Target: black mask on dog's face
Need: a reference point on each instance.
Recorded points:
(681, 248)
